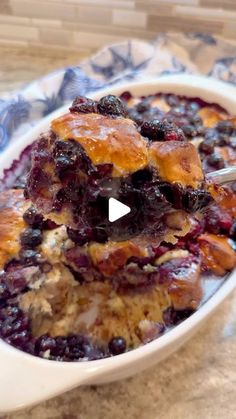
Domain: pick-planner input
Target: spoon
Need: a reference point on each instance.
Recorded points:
(223, 176)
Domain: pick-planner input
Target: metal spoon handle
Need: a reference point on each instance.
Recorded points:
(222, 176)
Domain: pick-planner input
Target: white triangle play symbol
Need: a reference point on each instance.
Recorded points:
(117, 210)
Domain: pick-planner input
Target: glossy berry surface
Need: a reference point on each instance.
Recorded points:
(117, 345)
(157, 130)
(32, 217)
(81, 236)
(216, 162)
(112, 105)
(31, 237)
(83, 105)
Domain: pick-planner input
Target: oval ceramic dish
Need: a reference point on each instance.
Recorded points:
(25, 379)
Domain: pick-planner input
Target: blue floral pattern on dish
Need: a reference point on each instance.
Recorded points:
(131, 60)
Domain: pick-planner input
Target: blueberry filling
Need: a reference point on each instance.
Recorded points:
(112, 105)
(157, 130)
(87, 188)
(31, 237)
(84, 105)
(33, 218)
(117, 345)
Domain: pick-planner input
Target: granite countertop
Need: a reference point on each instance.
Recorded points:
(196, 382)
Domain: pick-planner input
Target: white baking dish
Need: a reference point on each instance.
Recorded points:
(25, 379)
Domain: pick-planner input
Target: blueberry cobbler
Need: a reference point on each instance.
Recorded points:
(75, 286)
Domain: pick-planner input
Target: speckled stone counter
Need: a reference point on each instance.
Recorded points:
(197, 382)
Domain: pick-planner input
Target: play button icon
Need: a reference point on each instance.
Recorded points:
(117, 210)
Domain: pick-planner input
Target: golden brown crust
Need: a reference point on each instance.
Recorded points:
(224, 197)
(177, 162)
(160, 103)
(12, 207)
(218, 255)
(105, 140)
(211, 116)
(111, 256)
(227, 153)
(186, 291)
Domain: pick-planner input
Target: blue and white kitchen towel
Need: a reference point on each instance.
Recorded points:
(132, 60)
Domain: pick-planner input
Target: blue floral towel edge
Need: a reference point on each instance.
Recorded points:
(131, 60)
